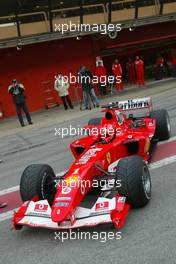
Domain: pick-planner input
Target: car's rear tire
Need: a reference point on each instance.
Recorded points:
(94, 121)
(163, 127)
(38, 180)
(135, 181)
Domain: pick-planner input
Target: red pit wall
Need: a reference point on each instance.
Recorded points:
(40, 62)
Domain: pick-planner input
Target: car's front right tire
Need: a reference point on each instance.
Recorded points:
(135, 180)
(38, 181)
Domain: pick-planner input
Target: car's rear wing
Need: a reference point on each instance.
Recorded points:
(131, 104)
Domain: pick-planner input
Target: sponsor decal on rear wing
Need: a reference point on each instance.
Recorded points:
(132, 104)
(135, 103)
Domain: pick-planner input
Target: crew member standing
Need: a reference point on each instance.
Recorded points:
(101, 74)
(139, 64)
(61, 85)
(87, 87)
(117, 71)
(17, 91)
(159, 67)
(131, 71)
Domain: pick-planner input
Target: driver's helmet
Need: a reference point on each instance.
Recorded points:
(120, 117)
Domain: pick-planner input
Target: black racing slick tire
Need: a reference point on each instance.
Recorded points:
(94, 121)
(163, 127)
(135, 181)
(38, 180)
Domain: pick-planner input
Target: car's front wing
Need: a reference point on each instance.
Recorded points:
(38, 214)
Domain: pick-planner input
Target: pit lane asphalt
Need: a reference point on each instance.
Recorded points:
(148, 234)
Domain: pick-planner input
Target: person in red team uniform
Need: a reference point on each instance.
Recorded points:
(101, 73)
(117, 71)
(139, 65)
(159, 64)
(131, 71)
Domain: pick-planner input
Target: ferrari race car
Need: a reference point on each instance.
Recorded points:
(109, 175)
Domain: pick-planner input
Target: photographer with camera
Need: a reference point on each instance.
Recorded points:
(17, 91)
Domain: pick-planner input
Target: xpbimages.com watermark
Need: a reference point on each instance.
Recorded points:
(87, 28)
(73, 79)
(74, 181)
(85, 131)
(102, 237)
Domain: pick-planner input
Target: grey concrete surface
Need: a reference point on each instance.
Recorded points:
(149, 233)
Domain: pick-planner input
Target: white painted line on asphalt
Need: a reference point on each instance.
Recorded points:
(166, 141)
(155, 165)
(9, 190)
(7, 215)
(163, 162)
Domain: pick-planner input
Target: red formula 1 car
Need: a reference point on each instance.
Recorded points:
(109, 174)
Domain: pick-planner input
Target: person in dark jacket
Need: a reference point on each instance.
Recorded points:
(17, 91)
(87, 87)
(130, 67)
(101, 73)
(159, 68)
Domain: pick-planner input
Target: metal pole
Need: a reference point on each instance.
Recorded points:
(16, 11)
(81, 12)
(110, 12)
(50, 15)
(136, 8)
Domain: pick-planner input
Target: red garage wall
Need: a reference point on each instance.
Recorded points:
(40, 62)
